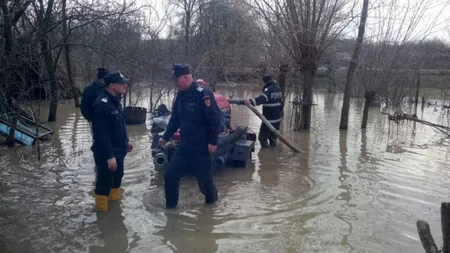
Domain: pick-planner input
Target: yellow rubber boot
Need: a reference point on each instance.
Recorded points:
(101, 203)
(114, 194)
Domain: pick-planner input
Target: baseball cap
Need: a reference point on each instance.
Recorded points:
(102, 72)
(115, 77)
(267, 77)
(179, 70)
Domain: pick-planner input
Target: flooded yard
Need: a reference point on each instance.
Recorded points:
(351, 191)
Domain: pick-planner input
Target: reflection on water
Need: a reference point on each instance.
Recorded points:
(113, 232)
(351, 191)
(189, 233)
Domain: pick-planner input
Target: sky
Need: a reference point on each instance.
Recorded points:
(434, 22)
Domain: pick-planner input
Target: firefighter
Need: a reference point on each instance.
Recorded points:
(196, 114)
(272, 101)
(110, 140)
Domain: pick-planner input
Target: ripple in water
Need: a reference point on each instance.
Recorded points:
(354, 191)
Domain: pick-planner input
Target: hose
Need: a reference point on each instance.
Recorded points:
(160, 159)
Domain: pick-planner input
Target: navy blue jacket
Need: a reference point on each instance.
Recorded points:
(272, 101)
(88, 98)
(196, 113)
(108, 124)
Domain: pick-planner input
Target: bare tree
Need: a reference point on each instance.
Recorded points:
(305, 29)
(352, 67)
(44, 13)
(65, 31)
(389, 56)
(10, 61)
(189, 9)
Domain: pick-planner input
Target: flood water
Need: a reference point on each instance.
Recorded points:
(351, 191)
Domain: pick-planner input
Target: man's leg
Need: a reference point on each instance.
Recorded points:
(174, 171)
(115, 193)
(92, 145)
(273, 138)
(264, 134)
(104, 180)
(204, 174)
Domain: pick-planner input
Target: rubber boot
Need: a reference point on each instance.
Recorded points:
(101, 203)
(273, 142)
(264, 144)
(211, 195)
(114, 194)
(211, 199)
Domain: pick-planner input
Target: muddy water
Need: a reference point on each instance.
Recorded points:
(354, 191)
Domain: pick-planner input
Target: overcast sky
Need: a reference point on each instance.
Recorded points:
(434, 23)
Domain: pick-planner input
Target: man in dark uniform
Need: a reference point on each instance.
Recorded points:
(272, 101)
(91, 93)
(196, 113)
(110, 140)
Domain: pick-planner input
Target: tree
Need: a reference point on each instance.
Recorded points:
(226, 37)
(305, 29)
(389, 59)
(44, 18)
(189, 10)
(352, 67)
(65, 31)
(11, 60)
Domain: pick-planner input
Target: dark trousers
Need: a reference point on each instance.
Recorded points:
(184, 161)
(107, 179)
(265, 134)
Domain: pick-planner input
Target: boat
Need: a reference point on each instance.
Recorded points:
(25, 132)
(234, 147)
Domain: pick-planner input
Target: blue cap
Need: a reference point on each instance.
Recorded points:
(267, 77)
(102, 72)
(179, 70)
(115, 77)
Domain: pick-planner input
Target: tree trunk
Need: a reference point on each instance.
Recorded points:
(54, 87)
(367, 101)
(67, 55)
(187, 36)
(11, 139)
(36, 117)
(426, 238)
(282, 77)
(46, 17)
(423, 228)
(417, 95)
(282, 83)
(352, 67)
(7, 31)
(308, 81)
(151, 95)
(445, 224)
(8, 46)
(129, 95)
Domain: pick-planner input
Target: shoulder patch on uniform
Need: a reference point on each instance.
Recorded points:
(200, 88)
(105, 100)
(207, 100)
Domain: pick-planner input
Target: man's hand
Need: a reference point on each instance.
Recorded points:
(212, 148)
(130, 147)
(247, 102)
(112, 164)
(161, 142)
